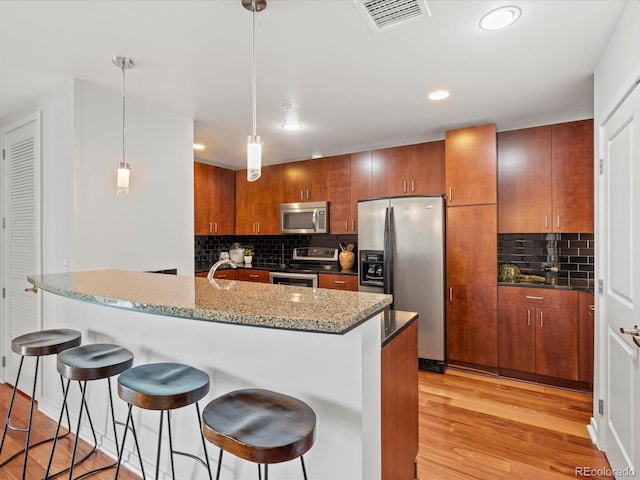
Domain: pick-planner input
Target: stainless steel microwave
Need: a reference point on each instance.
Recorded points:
(305, 217)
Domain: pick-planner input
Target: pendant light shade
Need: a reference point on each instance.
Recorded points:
(254, 158)
(254, 146)
(124, 169)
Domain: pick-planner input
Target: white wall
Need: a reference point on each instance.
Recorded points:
(618, 69)
(151, 228)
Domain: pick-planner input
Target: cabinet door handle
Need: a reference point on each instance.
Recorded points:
(592, 307)
(530, 297)
(301, 194)
(451, 294)
(558, 223)
(346, 225)
(541, 320)
(259, 225)
(215, 227)
(404, 186)
(353, 225)
(546, 221)
(528, 318)
(413, 186)
(450, 195)
(307, 194)
(253, 227)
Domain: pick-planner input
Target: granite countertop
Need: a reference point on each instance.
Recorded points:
(271, 267)
(244, 303)
(543, 285)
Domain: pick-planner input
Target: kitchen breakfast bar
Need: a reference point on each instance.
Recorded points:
(320, 346)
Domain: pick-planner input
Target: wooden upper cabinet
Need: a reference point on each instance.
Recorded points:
(524, 180)
(340, 219)
(390, 171)
(306, 181)
(427, 168)
(572, 176)
(361, 183)
(214, 200)
(471, 165)
(258, 203)
(408, 170)
(545, 179)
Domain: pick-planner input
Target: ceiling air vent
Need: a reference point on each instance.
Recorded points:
(383, 15)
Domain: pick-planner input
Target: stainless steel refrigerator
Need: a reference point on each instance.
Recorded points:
(401, 252)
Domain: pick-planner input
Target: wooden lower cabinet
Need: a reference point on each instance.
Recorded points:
(472, 326)
(225, 274)
(338, 282)
(399, 403)
(250, 275)
(586, 305)
(538, 332)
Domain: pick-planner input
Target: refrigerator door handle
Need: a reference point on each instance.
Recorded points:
(388, 252)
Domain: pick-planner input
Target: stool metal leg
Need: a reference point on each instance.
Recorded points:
(304, 470)
(204, 442)
(219, 465)
(159, 446)
(173, 470)
(8, 420)
(129, 424)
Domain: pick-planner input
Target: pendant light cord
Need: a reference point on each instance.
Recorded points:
(123, 109)
(253, 62)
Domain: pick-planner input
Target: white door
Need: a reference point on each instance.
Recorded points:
(619, 227)
(21, 240)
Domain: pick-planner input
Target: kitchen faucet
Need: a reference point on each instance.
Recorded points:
(217, 265)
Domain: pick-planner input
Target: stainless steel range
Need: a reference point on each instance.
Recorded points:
(307, 262)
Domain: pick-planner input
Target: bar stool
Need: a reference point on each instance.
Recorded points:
(164, 387)
(261, 426)
(82, 364)
(36, 344)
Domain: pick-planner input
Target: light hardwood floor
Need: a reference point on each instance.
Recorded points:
(475, 426)
(471, 427)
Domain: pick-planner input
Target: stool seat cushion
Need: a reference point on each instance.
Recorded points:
(45, 342)
(260, 425)
(163, 386)
(94, 361)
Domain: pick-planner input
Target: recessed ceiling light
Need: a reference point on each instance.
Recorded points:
(500, 18)
(198, 146)
(291, 126)
(438, 95)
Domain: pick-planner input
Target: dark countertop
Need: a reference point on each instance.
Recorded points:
(270, 267)
(545, 286)
(393, 322)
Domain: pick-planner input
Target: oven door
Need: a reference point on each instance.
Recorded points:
(294, 279)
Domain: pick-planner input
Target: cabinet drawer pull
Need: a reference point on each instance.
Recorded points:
(531, 297)
(251, 275)
(339, 282)
(528, 318)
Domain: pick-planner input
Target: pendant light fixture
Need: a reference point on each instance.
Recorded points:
(124, 168)
(254, 146)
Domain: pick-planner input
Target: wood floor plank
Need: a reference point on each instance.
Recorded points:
(479, 427)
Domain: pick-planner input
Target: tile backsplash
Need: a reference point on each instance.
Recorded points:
(267, 249)
(572, 253)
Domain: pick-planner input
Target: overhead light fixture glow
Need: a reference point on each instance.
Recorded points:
(124, 169)
(198, 146)
(254, 146)
(500, 18)
(291, 126)
(438, 95)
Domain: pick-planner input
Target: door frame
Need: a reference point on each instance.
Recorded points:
(5, 349)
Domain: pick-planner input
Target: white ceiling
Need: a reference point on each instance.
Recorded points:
(351, 89)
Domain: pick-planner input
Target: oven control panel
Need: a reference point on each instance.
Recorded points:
(326, 254)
